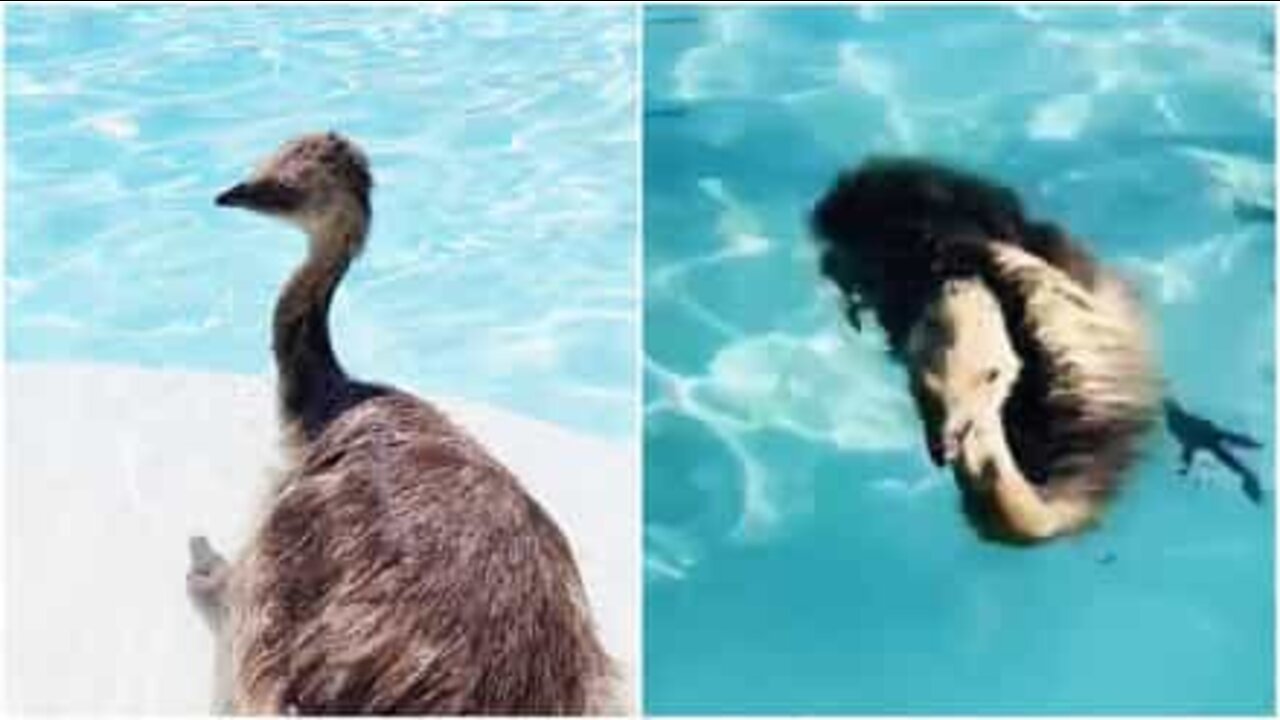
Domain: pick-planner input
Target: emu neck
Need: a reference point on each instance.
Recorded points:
(310, 378)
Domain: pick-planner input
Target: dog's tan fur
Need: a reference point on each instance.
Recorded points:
(962, 363)
(1097, 357)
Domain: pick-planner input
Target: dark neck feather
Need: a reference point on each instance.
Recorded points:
(312, 385)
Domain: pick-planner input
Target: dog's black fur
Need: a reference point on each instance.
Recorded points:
(894, 229)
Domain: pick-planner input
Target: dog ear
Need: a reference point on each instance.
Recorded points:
(836, 268)
(853, 311)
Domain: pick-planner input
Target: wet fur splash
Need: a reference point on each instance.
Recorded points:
(894, 231)
(399, 568)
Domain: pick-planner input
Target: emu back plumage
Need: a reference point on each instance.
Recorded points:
(401, 569)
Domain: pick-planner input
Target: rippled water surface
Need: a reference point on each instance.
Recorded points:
(503, 141)
(801, 553)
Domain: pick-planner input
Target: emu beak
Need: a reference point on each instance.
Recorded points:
(264, 195)
(234, 196)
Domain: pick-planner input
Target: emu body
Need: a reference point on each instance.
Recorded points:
(399, 568)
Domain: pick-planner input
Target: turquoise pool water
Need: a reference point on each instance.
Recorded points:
(801, 553)
(503, 141)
